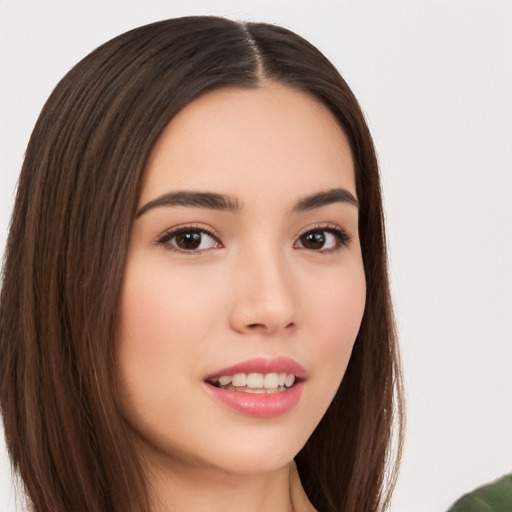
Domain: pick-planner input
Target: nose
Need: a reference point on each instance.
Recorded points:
(264, 299)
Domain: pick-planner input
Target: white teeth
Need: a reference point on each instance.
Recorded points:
(290, 379)
(257, 382)
(253, 390)
(271, 380)
(239, 380)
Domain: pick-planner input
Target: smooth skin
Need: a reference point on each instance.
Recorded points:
(205, 288)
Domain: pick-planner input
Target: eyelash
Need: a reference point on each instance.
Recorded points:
(165, 239)
(342, 237)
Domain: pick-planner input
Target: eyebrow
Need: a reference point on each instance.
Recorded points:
(213, 201)
(207, 200)
(334, 195)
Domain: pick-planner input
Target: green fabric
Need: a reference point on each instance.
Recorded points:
(493, 497)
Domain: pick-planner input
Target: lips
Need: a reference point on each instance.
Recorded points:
(253, 399)
(264, 366)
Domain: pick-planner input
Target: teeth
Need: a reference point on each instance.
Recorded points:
(257, 382)
(290, 379)
(250, 390)
(271, 380)
(239, 379)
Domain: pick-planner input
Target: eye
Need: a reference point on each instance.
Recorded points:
(323, 239)
(189, 239)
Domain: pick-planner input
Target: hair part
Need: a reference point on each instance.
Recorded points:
(65, 257)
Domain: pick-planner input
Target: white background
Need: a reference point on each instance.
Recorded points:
(435, 81)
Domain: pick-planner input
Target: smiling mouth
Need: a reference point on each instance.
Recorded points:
(262, 383)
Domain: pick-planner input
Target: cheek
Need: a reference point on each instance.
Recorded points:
(164, 322)
(161, 311)
(163, 325)
(148, 316)
(337, 312)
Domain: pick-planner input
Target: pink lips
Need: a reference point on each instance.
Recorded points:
(261, 405)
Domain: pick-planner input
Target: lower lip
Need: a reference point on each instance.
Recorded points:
(259, 405)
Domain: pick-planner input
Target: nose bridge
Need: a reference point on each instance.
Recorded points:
(265, 299)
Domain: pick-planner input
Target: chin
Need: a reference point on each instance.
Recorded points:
(243, 451)
(255, 464)
(258, 450)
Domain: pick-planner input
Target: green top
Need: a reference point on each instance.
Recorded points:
(493, 497)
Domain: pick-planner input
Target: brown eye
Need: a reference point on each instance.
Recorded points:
(323, 240)
(189, 240)
(313, 240)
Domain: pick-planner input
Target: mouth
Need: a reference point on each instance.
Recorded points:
(255, 382)
(260, 387)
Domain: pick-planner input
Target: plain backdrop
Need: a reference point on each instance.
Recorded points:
(435, 81)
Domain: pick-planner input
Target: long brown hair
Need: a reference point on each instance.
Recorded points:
(65, 258)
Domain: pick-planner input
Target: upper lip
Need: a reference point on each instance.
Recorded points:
(262, 365)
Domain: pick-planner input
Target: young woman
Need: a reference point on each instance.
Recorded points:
(195, 306)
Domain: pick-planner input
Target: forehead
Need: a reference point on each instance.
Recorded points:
(237, 140)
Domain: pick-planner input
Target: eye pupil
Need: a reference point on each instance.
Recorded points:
(188, 240)
(313, 240)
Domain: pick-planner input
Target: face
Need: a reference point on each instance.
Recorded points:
(244, 263)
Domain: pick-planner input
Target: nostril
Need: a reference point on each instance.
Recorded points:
(254, 327)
